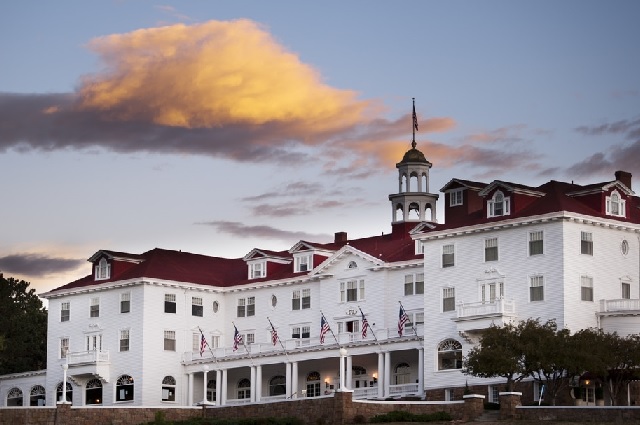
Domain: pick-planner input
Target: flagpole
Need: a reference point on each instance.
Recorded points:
(415, 331)
(414, 124)
(279, 340)
(244, 345)
(331, 330)
(372, 333)
(215, 359)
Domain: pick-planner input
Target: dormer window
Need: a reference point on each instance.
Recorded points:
(615, 204)
(303, 263)
(455, 197)
(499, 205)
(103, 269)
(257, 270)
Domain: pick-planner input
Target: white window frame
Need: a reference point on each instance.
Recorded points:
(456, 197)
(536, 281)
(169, 340)
(124, 335)
(491, 246)
(494, 394)
(586, 288)
(491, 291)
(246, 307)
(249, 338)
(419, 247)
(103, 270)
(197, 309)
(94, 307)
(625, 289)
(303, 263)
(258, 269)
(615, 205)
(586, 243)
(125, 302)
(533, 238)
(353, 288)
(448, 299)
(65, 307)
(498, 200)
(170, 299)
(448, 250)
(64, 347)
(449, 349)
(414, 284)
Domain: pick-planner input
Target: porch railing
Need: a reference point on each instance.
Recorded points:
(88, 357)
(364, 393)
(403, 389)
(486, 308)
(619, 305)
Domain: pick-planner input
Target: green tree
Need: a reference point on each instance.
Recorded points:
(499, 354)
(23, 333)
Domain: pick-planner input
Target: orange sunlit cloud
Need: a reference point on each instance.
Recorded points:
(211, 75)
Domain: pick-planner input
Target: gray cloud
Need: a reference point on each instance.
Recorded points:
(38, 265)
(265, 232)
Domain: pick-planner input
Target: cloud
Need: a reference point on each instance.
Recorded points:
(38, 265)
(264, 232)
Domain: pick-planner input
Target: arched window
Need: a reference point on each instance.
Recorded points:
(353, 265)
(615, 204)
(169, 388)
(278, 385)
(414, 211)
(93, 392)
(498, 205)
(244, 388)
(313, 384)
(398, 213)
(449, 355)
(69, 392)
(14, 397)
(402, 374)
(211, 390)
(38, 396)
(124, 388)
(103, 269)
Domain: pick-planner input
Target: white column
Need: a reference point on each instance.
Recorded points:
(294, 379)
(218, 387)
(258, 383)
(252, 372)
(65, 367)
(287, 372)
(381, 379)
(205, 369)
(387, 373)
(223, 399)
(421, 372)
(349, 374)
(190, 389)
(343, 354)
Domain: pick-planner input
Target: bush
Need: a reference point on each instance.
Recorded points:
(400, 416)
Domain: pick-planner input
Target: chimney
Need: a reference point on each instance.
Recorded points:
(340, 237)
(624, 177)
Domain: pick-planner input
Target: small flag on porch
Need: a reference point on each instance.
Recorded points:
(402, 319)
(324, 328)
(203, 343)
(365, 325)
(237, 338)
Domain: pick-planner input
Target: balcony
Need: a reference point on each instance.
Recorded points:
(621, 316)
(473, 318)
(85, 365)
(619, 307)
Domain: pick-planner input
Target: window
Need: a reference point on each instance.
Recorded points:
(277, 385)
(448, 256)
(215, 341)
(313, 384)
(414, 284)
(94, 309)
(491, 249)
(536, 288)
(169, 388)
(124, 340)
(125, 302)
(352, 265)
(124, 388)
(196, 306)
(419, 247)
(301, 299)
(169, 303)
(494, 394)
(491, 291)
(244, 389)
(499, 205)
(14, 397)
(586, 243)
(37, 396)
(69, 392)
(103, 270)
(624, 247)
(449, 355)
(455, 197)
(626, 290)
(249, 338)
(93, 392)
(586, 288)
(170, 340)
(449, 394)
(301, 334)
(536, 240)
(351, 291)
(448, 299)
(257, 270)
(94, 342)
(64, 347)
(65, 312)
(402, 374)
(211, 390)
(216, 306)
(246, 307)
(615, 204)
(303, 263)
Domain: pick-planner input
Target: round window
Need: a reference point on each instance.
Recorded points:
(274, 300)
(624, 247)
(216, 306)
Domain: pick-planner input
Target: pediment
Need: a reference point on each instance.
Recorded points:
(345, 256)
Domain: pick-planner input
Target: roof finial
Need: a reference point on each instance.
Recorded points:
(415, 124)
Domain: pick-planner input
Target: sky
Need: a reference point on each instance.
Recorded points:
(217, 127)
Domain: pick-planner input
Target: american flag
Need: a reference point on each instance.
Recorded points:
(324, 328)
(402, 319)
(274, 335)
(415, 118)
(365, 325)
(237, 339)
(203, 343)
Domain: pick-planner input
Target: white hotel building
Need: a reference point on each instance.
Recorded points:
(130, 332)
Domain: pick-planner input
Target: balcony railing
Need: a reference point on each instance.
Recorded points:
(486, 308)
(88, 357)
(403, 390)
(621, 305)
(365, 393)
